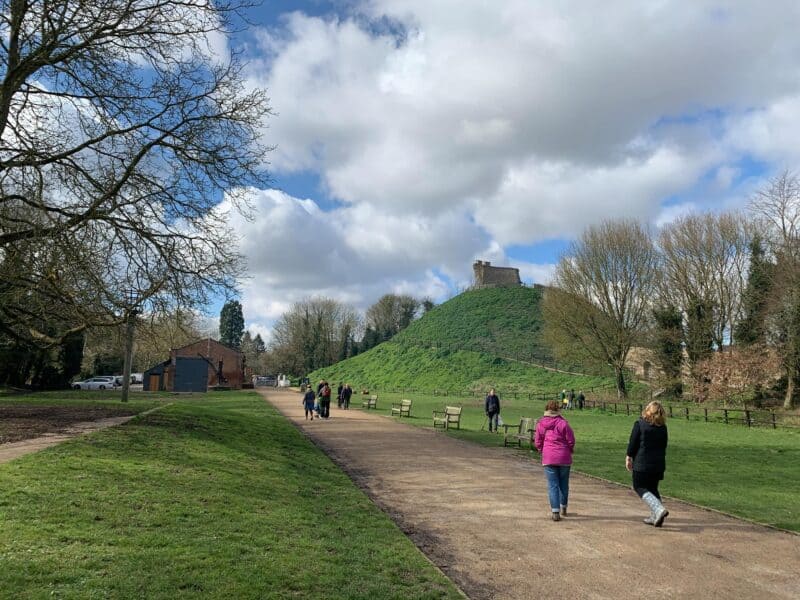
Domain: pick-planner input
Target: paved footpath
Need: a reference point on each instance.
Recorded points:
(481, 515)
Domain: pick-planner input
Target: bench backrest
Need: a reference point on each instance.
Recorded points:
(373, 398)
(526, 424)
(405, 403)
(453, 413)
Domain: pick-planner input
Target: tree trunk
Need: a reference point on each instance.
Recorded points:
(791, 388)
(622, 391)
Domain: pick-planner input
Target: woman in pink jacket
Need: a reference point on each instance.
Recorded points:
(555, 440)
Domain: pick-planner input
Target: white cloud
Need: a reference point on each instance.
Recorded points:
(468, 126)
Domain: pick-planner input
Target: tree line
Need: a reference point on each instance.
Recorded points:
(317, 332)
(714, 296)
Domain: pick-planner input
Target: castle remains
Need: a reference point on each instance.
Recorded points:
(488, 276)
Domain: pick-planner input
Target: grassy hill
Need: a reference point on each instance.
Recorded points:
(499, 321)
(478, 339)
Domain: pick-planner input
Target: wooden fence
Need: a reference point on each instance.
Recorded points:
(748, 417)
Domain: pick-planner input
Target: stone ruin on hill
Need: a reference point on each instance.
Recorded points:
(488, 276)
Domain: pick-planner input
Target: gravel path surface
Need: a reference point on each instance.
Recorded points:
(481, 515)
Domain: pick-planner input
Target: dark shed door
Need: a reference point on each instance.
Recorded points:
(191, 374)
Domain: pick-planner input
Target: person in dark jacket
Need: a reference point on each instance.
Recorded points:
(308, 403)
(646, 459)
(492, 407)
(581, 400)
(325, 401)
(339, 390)
(347, 392)
(556, 441)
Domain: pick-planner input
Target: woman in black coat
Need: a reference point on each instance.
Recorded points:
(646, 459)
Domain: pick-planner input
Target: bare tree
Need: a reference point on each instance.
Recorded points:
(778, 207)
(122, 128)
(602, 291)
(391, 314)
(705, 260)
(310, 335)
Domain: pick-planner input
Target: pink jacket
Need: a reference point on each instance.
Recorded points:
(555, 440)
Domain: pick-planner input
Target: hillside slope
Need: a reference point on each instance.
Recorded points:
(478, 339)
(500, 321)
(397, 366)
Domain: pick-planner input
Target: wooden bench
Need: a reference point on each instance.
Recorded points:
(401, 409)
(371, 402)
(523, 431)
(451, 415)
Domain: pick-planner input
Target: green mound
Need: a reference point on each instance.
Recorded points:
(397, 366)
(479, 339)
(498, 321)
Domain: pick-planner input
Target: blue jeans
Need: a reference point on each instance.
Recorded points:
(557, 486)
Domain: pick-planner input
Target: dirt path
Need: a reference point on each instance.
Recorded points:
(14, 450)
(482, 516)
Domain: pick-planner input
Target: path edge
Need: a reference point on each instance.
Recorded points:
(341, 467)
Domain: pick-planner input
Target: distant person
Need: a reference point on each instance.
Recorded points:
(492, 408)
(308, 403)
(646, 459)
(325, 401)
(347, 393)
(563, 398)
(556, 441)
(339, 390)
(581, 400)
(571, 399)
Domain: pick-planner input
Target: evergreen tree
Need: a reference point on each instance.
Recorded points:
(669, 347)
(231, 324)
(751, 329)
(699, 331)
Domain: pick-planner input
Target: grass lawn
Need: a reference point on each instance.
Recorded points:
(216, 495)
(753, 473)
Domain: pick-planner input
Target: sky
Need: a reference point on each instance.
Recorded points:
(413, 137)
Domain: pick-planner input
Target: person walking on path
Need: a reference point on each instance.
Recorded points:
(646, 459)
(347, 392)
(492, 407)
(581, 400)
(339, 395)
(556, 441)
(308, 403)
(571, 399)
(325, 401)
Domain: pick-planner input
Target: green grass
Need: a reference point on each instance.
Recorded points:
(215, 495)
(505, 321)
(753, 473)
(395, 366)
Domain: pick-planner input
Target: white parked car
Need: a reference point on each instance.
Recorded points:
(105, 382)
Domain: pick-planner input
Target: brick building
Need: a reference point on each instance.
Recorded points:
(488, 276)
(196, 367)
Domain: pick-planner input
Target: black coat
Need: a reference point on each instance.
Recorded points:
(648, 447)
(492, 404)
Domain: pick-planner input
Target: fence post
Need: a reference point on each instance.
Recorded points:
(725, 412)
(687, 412)
(615, 408)
(747, 417)
(670, 411)
(604, 406)
(627, 409)
(705, 413)
(774, 424)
